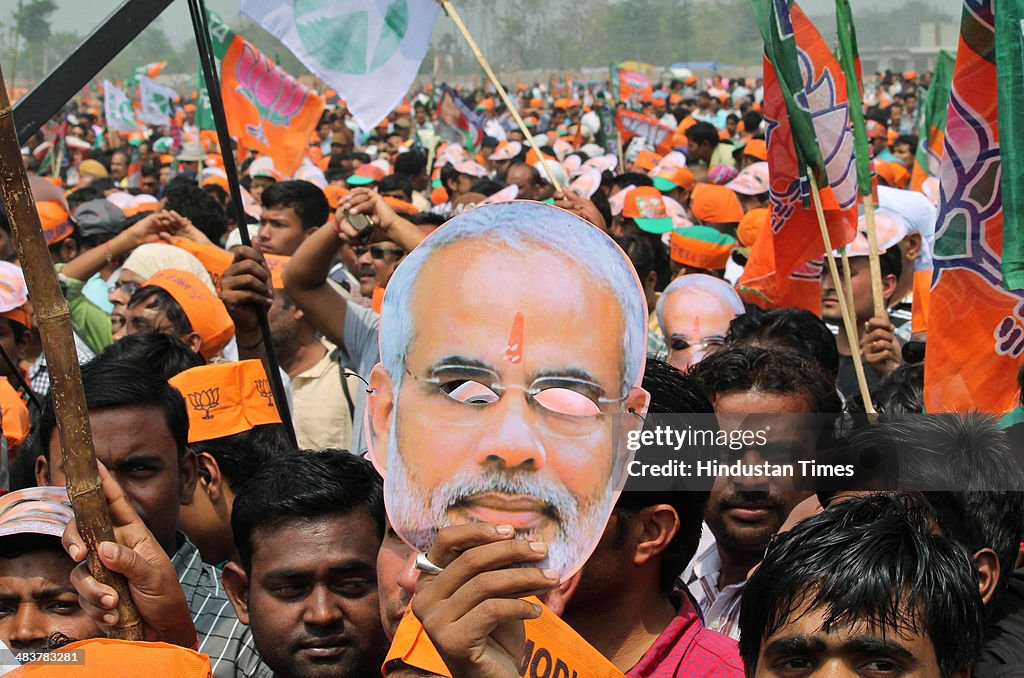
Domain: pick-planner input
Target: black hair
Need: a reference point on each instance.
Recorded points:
(873, 559)
(902, 392)
(752, 121)
(891, 262)
(305, 198)
(165, 354)
(908, 139)
(426, 219)
(110, 383)
(487, 187)
(535, 175)
(240, 456)
(702, 132)
(151, 171)
(84, 194)
(17, 545)
(396, 182)
(306, 484)
(102, 184)
(640, 253)
(965, 468)
(185, 197)
(631, 179)
(161, 300)
(411, 164)
(793, 328)
(335, 173)
(600, 201)
(448, 173)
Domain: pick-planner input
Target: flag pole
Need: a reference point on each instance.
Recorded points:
(848, 321)
(877, 295)
(78, 453)
(197, 10)
(450, 11)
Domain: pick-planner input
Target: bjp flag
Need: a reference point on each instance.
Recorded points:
(933, 132)
(267, 109)
(632, 124)
(975, 325)
(634, 86)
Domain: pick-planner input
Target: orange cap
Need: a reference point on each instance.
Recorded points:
(701, 247)
(439, 196)
(16, 423)
(756, 148)
(217, 180)
(105, 657)
(894, 173)
(226, 398)
(190, 108)
(401, 206)
(14, 304)
(55, 221)
(752, 224)
(647, 160)
(205, 312)
(536, 103)
(714, 204)
(671, 178)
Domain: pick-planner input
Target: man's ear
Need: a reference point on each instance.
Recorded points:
(380, 402)
(655, 526)
(194, 341)
(236, 585)
(651, 281)
(913, 246)
(42, 471)
(187, 477)
(889, 287)
(210, 480)
(986, 562)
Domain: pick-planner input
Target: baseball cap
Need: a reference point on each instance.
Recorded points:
(55, 221)
(645, 206)
(35, 510)
(646, 159)
(99, 218)
(366, 175)
(751, 181)
(671, 179)
(14, 295)
(701, 247)
(714, 204)
(205, 311)
(894, 173)
(226, 398)
(756, 148)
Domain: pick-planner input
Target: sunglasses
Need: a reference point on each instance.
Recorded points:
(379, 252)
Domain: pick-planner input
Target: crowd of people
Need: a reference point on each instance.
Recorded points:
(417, 516)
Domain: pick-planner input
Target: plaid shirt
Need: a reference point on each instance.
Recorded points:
(686, 648)
(39, 374)
(227, 641)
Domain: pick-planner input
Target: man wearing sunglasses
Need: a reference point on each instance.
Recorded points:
(377, 262)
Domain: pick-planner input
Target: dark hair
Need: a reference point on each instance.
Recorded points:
(871, 559)
(411, 164)
(240, 456)
(448, 173)
(891, 262)
(335, 173)
(752, 121)
(164, 354)
(305, 198)
(161, 300)
(396, 182)
(111, 382)
(640, 253)
(535, 175)
(631, 179)
(84, 194)
(102, 184)
(966, 470)
(672, 392)
(151, 171)
(190, 201)
(487, 187)
(17, 545)
(902, 392)
(793, 328)
(702, 132)
(908, 139)
(305, 485)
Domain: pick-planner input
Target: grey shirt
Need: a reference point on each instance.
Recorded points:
(359, 354)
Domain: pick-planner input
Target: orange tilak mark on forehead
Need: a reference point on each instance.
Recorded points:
(514, 347)
(696, 326)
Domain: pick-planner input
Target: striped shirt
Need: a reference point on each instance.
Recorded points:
(227, 641)
(720, 609)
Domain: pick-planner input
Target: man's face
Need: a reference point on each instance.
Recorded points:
(11, 345)
(744, 512)
(455, 451)
(149, 184)
(802, 647)
(522, 177)
(280, 231)
(118, 166)
(259, 184)
(323, 131)
(312, 600)
(165, 174)
(137, 447)
(394, 565)
(146, 317)
(695, 326)
(366, 273)
(860, 280)
(904, 155)
(38, 600)
(385, 257)
(463, 182)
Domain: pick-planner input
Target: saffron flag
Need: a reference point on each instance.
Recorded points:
(807, 122)
(157, 102)
(267, 110)
(633, 86)
(117, 108)
(975, 326)
(933, 134)
(632, 124)
(458, 123)
(367, 50)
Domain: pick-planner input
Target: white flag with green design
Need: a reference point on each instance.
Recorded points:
(367, 50)
(157, 102)
(118, 109)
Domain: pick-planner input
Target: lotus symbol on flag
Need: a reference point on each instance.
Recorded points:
(275, 95)
(340, 37)
(1009, 334)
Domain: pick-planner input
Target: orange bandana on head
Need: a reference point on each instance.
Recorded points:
(205, 312)
(226, 398)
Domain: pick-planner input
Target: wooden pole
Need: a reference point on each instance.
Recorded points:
(450, 11)
(877, 295)
(54, 319)
(849, 322)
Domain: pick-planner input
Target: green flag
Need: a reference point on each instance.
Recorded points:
(933, 129)
(780, 49)
(849, 59)
(1009, 20)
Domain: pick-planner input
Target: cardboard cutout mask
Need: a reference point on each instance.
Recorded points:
(513, 342)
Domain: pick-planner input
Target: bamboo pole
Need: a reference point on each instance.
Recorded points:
(450, 11)
(877, 295)
(54, 319)
(849, 323)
